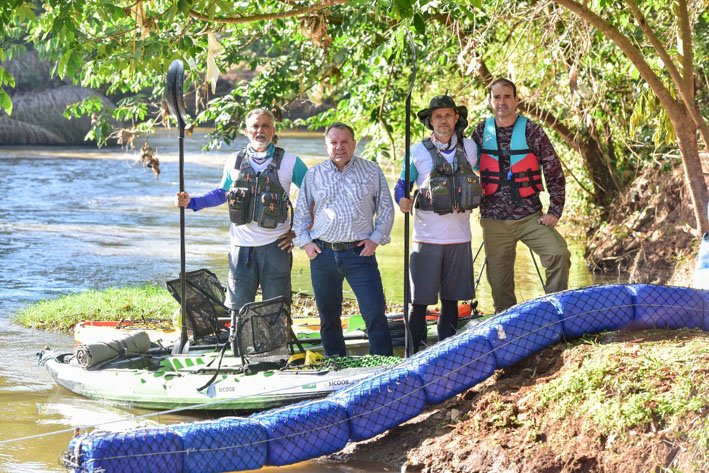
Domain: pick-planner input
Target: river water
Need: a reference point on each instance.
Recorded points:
(72, 219)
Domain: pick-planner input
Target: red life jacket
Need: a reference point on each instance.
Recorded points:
(524, 176)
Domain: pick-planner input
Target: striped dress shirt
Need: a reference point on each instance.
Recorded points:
(344, 206)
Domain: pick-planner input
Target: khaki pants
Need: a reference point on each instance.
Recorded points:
(501, 237)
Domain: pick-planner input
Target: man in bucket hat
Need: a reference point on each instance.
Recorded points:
(441, 261)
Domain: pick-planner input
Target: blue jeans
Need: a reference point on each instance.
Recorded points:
(251, 266)
(327, 271)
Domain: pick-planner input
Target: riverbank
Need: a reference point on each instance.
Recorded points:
(648, 235)
(619, 401)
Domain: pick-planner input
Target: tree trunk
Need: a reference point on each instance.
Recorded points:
(599, 170)
(683, 113)
(693, 175)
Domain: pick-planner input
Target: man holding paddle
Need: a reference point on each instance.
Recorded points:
(441, 261)
(256, 184)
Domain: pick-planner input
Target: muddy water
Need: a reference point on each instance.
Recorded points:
(77, 218)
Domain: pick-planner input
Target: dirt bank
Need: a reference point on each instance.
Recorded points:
(649, 235)
(529, 418)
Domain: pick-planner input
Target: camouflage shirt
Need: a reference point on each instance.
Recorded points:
(500, 205)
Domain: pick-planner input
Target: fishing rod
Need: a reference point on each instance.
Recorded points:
(536, 266)
(176, 105)
(408, 340)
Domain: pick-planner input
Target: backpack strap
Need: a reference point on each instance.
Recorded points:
(276, 160)
(240, 159)
(461, 157)
(433, 151)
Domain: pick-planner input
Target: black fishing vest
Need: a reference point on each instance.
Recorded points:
(258, 197)
(449, 187)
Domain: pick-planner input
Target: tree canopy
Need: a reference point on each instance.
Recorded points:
(617, 81)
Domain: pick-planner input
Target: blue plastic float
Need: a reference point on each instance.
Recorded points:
(311, 429)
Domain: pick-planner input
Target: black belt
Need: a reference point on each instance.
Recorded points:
(339, 246)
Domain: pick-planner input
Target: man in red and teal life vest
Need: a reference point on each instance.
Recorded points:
(513, 154)
(448, 189)
(256, 184)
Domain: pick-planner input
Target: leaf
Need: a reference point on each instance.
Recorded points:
(419, 24)
(5, 102)
(403, 8)
(25, 13)
(6, 78)
(184, 6)
(62, 64)
(214, 49)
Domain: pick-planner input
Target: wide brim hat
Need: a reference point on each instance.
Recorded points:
(443, 101)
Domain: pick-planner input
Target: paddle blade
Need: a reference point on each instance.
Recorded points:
(173, 90)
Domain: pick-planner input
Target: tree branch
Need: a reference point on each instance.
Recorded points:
(625, 45)
(636, 57)
(657, 45)
(685, 38)
(268, 16)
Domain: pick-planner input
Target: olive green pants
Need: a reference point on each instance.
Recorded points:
(501, 237)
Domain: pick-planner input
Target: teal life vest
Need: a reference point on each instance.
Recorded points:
(524, 176)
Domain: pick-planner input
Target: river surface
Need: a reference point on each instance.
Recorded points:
(73, 219)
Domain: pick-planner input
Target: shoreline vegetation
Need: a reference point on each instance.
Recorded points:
(147, 303)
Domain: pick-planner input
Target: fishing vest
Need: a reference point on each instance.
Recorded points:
(524, 176)
(449, 187)
(258, 197)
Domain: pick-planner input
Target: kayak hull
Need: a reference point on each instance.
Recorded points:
(230, 390)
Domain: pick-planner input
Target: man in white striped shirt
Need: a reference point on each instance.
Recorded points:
(344, 212)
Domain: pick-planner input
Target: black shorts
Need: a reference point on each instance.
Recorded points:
(445, 270)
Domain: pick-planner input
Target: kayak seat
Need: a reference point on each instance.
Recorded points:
(205, 312)
(261, 332)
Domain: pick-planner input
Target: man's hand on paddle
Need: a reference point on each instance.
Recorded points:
(182, 199)
(405, 205)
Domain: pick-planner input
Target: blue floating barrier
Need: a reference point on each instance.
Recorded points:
(305, 430)
(522, 330)
(667, 307)
(314, 428)
(595, 309)
(705, 326)
(453, 365)
(701, 271)
(150, 450)
(381, 402)
(228, 444)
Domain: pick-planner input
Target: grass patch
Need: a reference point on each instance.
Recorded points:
(651, 385)
(130, 303)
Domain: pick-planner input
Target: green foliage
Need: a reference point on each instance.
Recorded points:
(134, 303)
(5, 80)
(94, 107)
(355, 56)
